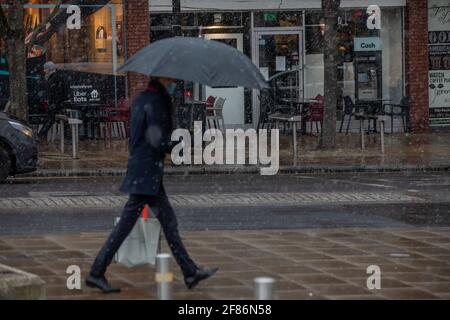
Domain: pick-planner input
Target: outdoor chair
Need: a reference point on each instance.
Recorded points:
(359, 111)
(398, 110)
(217, 114)
(315, 113)
(209, 105)
(116, 120)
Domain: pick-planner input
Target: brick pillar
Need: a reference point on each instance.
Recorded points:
(416, 28)
(137, 18)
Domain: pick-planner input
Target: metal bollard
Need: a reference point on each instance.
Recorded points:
(264, 288)
(164, 277)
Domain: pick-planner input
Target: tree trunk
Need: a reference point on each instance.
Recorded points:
(328, 136)
(16, 54)
(178, 98)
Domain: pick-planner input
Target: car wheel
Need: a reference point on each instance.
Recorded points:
(5, 164)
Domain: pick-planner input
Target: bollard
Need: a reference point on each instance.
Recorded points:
(264, 288)
(382, 136)
(164, 277)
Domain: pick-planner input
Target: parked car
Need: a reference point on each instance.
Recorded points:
(18, 148)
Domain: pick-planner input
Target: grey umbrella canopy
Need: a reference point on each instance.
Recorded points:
(208, 62)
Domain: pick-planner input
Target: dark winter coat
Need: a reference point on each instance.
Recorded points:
(150, 140)
(57, 94)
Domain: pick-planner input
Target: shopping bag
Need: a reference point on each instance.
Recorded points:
(142, 244)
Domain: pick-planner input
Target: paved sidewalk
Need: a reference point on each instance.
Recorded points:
(403, 152)
(307, 264)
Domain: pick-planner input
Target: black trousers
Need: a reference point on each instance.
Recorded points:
(163, 211)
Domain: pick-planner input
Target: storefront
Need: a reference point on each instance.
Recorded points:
(280, 37)
(287, 41)
(87, 56)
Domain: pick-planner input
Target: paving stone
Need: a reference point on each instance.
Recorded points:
(419, 277)
(435, 287)
(355, 297)
(328, 264)
(291, 269)
(332, 261)
(309, 256)
(337, 289)
(417, 263)
(406, 294)
(385, 282)
(315, 279)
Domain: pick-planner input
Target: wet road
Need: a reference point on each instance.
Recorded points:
(417, 199)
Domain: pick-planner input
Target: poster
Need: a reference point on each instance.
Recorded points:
(439, 62)
(265, 72)
(280, 63)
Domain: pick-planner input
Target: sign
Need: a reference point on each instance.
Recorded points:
(270, 16)
(368, 44)
(84, 94)
(280, 63)
(439, 62)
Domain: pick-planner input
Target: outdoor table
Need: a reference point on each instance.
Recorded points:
(372, 105)
(300, 105)
(89, 121)
(289, 119)
(73, 123)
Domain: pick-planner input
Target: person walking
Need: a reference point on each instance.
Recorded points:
(149, 142)
(56, 93)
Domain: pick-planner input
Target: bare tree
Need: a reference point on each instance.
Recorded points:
(12, 32)
(331, 11)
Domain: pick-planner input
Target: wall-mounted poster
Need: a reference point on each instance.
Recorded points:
(439, 62)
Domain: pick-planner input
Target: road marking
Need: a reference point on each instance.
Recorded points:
(214, 200)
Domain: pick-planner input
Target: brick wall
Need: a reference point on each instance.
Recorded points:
(138, 36)
(416, 47)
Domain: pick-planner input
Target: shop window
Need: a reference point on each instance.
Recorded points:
(165, 19)
(85, 57)
(222, 19)
(370, 64)
(269, 19)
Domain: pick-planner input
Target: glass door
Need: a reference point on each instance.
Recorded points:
(279, 56)
(233, 109)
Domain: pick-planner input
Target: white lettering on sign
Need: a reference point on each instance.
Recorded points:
(74, 20)
(368, 44)
(374, 19)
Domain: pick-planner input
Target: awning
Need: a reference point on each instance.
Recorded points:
(210, 5)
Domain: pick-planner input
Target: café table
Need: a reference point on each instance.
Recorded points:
(299, 106)
(90, 115)
(372, 107)
(293, 119)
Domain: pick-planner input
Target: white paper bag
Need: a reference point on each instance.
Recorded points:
(142, 244)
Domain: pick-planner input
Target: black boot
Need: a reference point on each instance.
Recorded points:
(100, 283)
(200, 274)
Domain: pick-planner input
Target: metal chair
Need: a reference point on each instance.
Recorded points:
(358, 111)
(398, 110)
(217, 114)
(315, 113)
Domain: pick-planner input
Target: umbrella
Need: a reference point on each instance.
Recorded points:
(210, 63)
